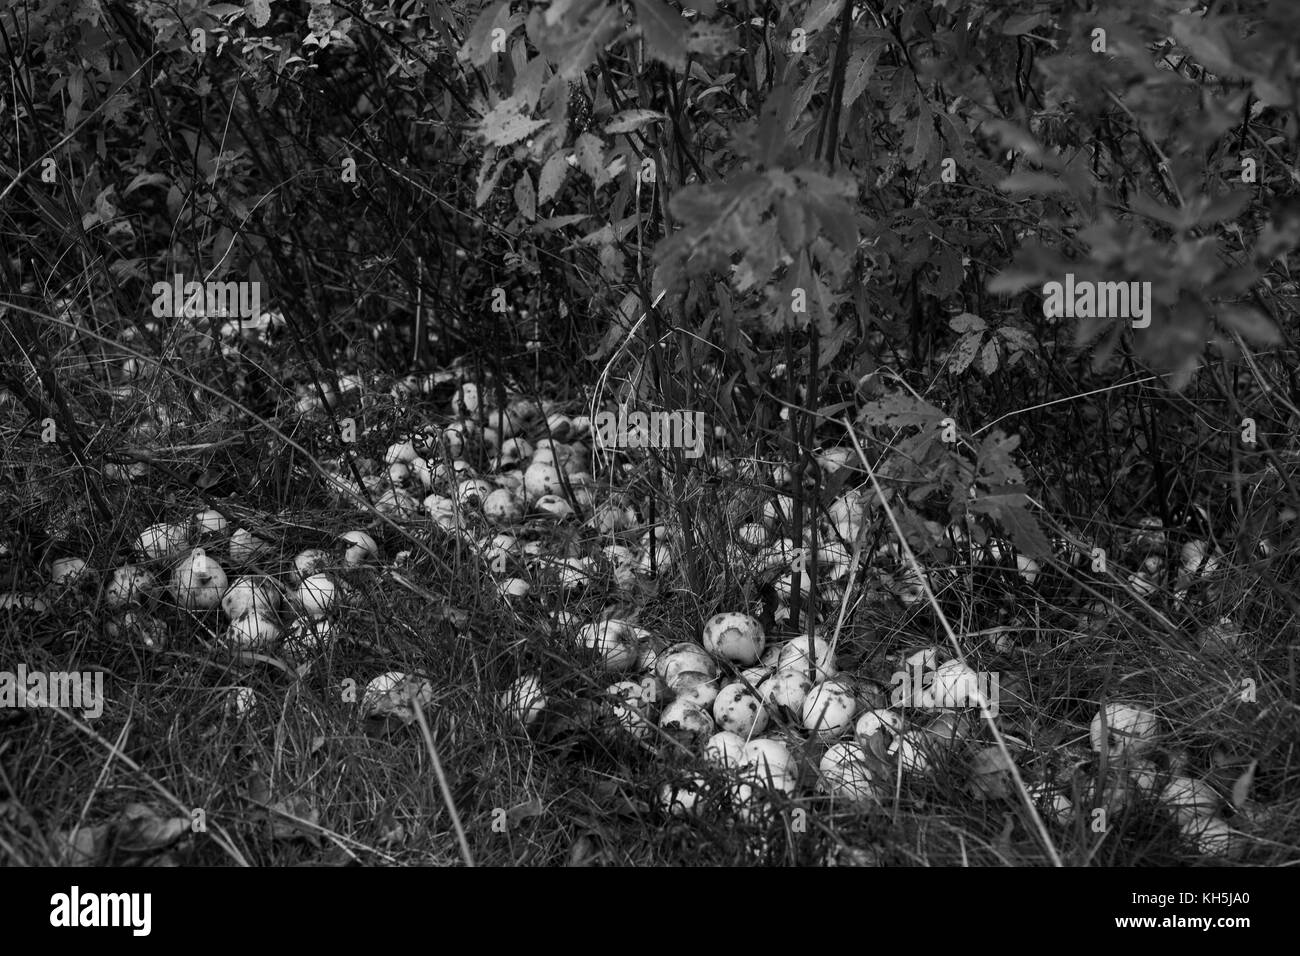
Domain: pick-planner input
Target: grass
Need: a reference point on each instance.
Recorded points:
(303, 777)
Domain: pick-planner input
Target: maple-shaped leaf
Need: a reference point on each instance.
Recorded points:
(1010, 508)
(994, 459)
(664, 32)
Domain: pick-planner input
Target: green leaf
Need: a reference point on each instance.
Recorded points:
(664, 32)
(1012, 280)
(994, 459)
(964, 352)
(504, 125)
(630, 120)
(572, 33)
(258, 12)
(488, 177)
(989, 357)
(820, 13)
(559, 222)
(1010, 509)
(900, 410)
(862, 64)
(320, 18)
(477, 48)
(1017, 339)
(966, 322)
(591, 158)
(1018, 26)
(711, 40)
(920, 137)
(552, 176)
(526, 197)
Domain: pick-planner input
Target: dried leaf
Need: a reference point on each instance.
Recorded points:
(1241, 789)
(141, 829)
(294, 818)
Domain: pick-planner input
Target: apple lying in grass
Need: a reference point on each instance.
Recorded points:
(252, 632)
(683, 665)
(524, 700)
(246, 547)
(257, 594)
(148, 631)
(307, 636)
(632, 707)
(682, 799)
(786, 688)
(739, 710)
(361, 549)
(769, 762)
(198, 581)
(725, 749)
(795, 655)
(129, 585)
(553, 506)
(1129, 729)
(613, 641)
(502, 508)
(66, 571)
(735, 636)
(316, 596)
(309, 562)
(160, 541)
(1187, 799)
(828, 709)
(210, 521)
(683, 718)
(846, 774)
(396, 694)
(1211, 836)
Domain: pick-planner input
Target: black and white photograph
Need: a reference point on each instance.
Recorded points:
(821, 434)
